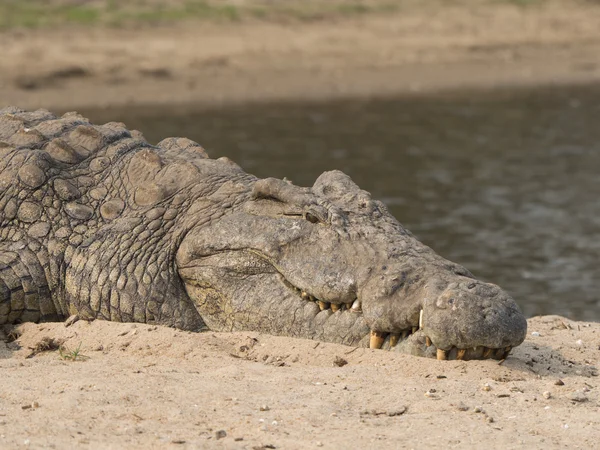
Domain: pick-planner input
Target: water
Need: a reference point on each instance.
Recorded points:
(506, 183)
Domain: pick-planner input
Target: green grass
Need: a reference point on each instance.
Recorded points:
(189, 10)
(522, 3)
(44, 13)
(81, 15)
(35, 13)
(55, 13)
(67, 354)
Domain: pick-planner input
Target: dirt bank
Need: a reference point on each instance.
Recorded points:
(416, 49)
(141, 386)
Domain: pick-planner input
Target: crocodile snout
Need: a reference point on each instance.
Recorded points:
(448, 316)
(472, 314)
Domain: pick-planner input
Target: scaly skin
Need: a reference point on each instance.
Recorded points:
(97, 223)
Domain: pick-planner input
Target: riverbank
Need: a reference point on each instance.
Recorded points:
(141, 386)
(419, 49)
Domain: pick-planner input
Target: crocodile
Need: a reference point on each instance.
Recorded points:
(96, 223)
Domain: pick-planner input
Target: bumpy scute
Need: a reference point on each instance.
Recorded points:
(96, 222)
(63, 181)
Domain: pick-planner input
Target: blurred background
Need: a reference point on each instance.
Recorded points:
(475, 121)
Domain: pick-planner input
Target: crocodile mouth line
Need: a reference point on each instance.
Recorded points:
(376, 339)
(388, 341)
(354, 306)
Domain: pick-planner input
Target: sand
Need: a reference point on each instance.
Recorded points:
(140, 386)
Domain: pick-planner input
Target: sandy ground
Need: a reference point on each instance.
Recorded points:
(478, 44)
(141, 386)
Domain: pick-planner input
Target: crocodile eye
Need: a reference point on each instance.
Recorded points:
(311, 218)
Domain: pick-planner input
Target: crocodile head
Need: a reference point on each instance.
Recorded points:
(330, 263)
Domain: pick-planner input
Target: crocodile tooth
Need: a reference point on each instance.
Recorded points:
(460, 354)
(323, 305)
(356, 306)
(415, 329)
(335, 307)
(477, 352)
(405, 334)
(305, 295)
(377, 339)
(420, 319)
(427, 341)
(393, 340)
(487, 352)
(441, 354)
